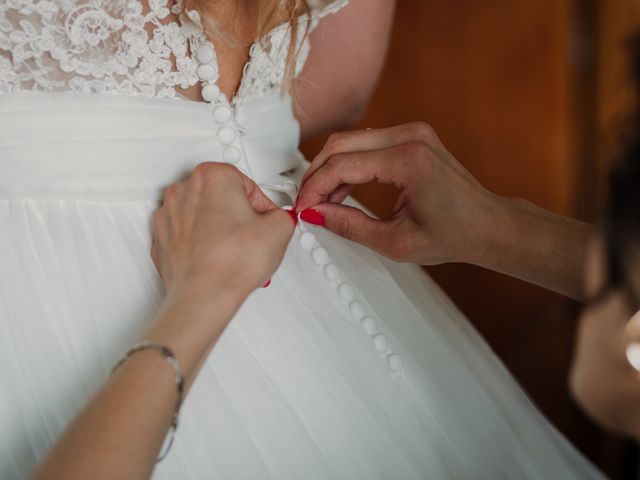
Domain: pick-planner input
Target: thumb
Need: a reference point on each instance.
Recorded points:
(275, 229)
(279, 225)
(257, 199)
(355, 225)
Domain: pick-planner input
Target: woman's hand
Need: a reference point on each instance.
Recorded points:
(217, 237)
(443, 214)
(217, 231)
(439, 205)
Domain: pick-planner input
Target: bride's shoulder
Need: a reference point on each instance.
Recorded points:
(346, 56)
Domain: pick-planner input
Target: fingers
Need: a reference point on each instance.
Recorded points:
(257, 199)
(154, 253)
(278, 229)
(355, 225)
(217, 177)
(340, 193)
(384, 166)
(278, 222)
(379, 139)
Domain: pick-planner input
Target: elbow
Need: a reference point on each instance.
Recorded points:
(355, 106)
(353, 116)
(342, 113)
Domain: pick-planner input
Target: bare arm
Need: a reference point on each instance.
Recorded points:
(348, 50)
(537, 246)
(212, 251)
(120, 433)
(443, 214)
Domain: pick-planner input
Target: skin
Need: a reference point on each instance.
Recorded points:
(355, 38)
(602, 380)
(198, 233)
(138, 400)
(430, 225)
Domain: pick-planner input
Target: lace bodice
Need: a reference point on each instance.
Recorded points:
(105, 46)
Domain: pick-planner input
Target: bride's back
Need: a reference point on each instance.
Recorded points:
(147, 48)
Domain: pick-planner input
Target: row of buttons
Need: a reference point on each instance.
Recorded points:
(322, 259)
(222, 114)
(208, 72)
(227, 135)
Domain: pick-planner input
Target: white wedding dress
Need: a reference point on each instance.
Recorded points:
(347, 367)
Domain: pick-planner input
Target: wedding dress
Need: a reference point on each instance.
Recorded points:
(347, 367)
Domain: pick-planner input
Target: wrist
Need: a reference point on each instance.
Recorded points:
(490, 230)
(190, 321)
(207, 294)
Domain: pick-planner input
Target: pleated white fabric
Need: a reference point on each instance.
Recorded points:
(299, 386)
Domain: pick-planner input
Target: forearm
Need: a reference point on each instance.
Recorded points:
(120, 433)
(535, 245)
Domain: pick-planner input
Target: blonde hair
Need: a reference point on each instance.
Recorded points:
(270, 14)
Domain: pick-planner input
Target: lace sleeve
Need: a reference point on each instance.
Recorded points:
(322, 8)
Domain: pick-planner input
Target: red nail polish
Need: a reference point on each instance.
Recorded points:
(313, 216)
(267, 284)
(293, 215)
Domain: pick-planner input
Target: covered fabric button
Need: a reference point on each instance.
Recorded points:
(395, 362)
(205, 53)
(207, 72)
(320, 256)
(357, 310)
(210, 92)
(231, 154)
(222, 114)
(346, 292)
(227, 135)
(369, 325)
(307, 240)
(331, 272)
(380, 342)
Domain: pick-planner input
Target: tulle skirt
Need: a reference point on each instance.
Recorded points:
(348, 366)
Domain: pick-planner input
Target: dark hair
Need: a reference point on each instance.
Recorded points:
(622, 212)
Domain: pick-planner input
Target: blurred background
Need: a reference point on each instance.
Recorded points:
(529, 95)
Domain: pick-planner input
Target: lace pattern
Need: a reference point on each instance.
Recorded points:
(119, 47)
(264, 73)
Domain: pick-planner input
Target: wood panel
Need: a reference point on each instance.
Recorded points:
(615, 93)
(500, 82)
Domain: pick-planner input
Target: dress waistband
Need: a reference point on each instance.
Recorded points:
(131, 148)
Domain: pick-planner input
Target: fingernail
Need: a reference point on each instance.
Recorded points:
(267, 284)
(313, 216)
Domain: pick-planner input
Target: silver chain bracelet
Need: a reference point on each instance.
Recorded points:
(171, 360)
